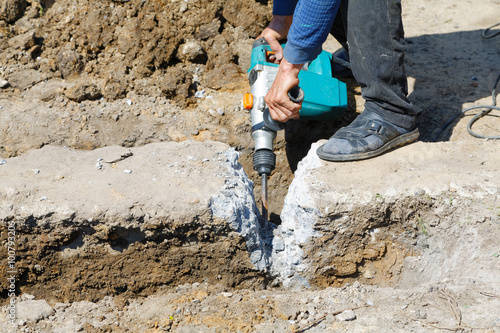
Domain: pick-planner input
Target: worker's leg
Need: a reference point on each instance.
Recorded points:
(375, 41)
(376, 48)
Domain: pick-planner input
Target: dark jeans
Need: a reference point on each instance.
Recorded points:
(372, 32)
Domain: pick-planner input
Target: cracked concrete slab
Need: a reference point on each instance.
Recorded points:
(393, 220)
(96, 219)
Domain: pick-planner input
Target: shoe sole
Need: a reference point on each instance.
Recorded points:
(396, 142)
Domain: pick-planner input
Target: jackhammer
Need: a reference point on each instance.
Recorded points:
(323, 96)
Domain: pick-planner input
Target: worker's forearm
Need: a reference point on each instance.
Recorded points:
(312, 22)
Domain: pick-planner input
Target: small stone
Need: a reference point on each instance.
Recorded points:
(213, 113)
(330, 318)
(23, 41)
(127, 171)
(70, 63)
(368, 274)
(209, 30)
(236, 298)
(347, 315)
(98, 164)
(4, 83)
(278, 244)
(61, 306)
(420, 314)
(27, 297)
(3, 161)
(83, 91)
(192, 51)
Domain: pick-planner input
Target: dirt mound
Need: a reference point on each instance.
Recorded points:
(152, 47)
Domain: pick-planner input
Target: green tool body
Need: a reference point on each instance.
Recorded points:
(325, 97)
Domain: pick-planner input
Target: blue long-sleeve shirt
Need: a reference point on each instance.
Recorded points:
(312, 21)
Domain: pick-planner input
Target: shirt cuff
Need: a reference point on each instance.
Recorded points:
(284, 7)
(300, 55)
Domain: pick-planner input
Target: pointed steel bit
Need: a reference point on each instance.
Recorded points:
(264, 200)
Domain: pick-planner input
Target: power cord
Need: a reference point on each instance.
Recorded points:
(487, 108)
(486, 36)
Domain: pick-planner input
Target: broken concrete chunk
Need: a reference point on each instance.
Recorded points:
(33, 310)
(347, 315)
(236, 205)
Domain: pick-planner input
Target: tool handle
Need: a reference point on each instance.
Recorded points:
(271, 123)
(296, 95)
(259, 42)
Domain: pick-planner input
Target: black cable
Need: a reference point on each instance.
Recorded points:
(483, 113)
(484, 34)
(487, 108)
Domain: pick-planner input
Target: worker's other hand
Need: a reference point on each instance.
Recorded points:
(276, 31)
(280, 106)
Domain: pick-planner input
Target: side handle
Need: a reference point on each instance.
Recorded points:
(296, 95)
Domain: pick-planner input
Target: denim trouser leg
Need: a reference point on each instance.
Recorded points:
(373, 32)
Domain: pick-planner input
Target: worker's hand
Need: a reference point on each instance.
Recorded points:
(276, 31)
(280, 106)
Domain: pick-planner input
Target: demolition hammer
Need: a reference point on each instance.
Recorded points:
(323, 96)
